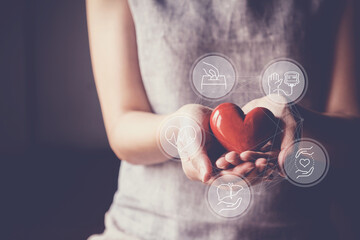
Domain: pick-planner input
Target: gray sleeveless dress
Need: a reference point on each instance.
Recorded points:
(158, 201)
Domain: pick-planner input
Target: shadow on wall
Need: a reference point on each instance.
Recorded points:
(58, 172)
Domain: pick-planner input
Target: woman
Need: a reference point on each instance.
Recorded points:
(142, 53)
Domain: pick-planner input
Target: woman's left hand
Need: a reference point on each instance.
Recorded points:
(271, 154)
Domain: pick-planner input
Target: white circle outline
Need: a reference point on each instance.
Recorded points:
(234, 217)
(192, 71)
(291, 61)
(323, 175)
(158, 138)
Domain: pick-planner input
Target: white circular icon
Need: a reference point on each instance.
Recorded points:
(180, 136)
(306, 163)
(229, 196)
(213, 76)
(285, 78)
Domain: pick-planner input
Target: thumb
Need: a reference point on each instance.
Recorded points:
(203, 165)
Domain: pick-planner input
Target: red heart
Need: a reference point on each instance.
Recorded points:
(239, 132)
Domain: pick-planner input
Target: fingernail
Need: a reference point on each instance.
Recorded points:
(242, 155)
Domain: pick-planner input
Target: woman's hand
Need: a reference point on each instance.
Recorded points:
(252, 165)
(289, 127)
(198, 166)
(256, 165)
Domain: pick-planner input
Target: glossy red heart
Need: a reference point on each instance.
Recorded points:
(239, 132)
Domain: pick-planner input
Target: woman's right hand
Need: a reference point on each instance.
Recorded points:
(198, 166)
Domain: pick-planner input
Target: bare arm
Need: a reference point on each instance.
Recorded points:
(131, 127)
(129, 123)
(339, 127)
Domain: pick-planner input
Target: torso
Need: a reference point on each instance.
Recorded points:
(159, 202)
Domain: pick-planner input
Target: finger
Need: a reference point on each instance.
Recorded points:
(286, 149)
(242, 169)
(281, 161)
(233, 158)
(262, 170)
(260, 174)
(261, 165)
(253, 177)
(198, 167)
(253, 155)
(203, 164)
(267, 147)
(222, 163)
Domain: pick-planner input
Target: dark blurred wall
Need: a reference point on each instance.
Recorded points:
(45, 65)
(13, 94)
(68, 112)
(57, 172)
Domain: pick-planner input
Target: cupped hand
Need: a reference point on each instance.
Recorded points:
(198, 166)
(252, 165)
(206, 164)
(289, 129)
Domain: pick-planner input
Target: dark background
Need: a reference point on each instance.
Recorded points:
(58, 174)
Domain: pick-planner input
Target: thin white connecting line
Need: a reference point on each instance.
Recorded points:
(240, 84)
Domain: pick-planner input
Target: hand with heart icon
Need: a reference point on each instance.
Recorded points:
(304, 162)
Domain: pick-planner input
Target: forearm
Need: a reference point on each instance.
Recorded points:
(339, 134)
(134, 137)
(129, 123)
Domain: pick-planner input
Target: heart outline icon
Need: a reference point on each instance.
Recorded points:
(304, 162)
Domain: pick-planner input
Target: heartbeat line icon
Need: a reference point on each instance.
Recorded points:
(185, 136)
